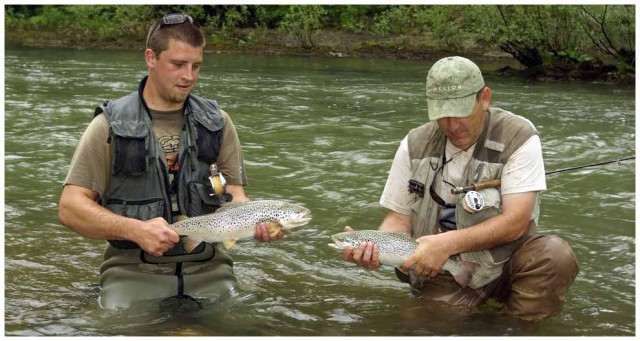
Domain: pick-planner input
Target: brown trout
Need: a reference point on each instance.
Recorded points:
(394, 248)
(238, 221)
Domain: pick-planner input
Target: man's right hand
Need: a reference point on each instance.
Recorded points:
(79, 210)
(366, 255)
(155, 237)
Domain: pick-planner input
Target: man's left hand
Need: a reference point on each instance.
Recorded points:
(429, 258)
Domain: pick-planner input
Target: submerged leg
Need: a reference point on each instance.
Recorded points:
(536, 279)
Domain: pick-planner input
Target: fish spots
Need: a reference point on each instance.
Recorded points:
(238, 221)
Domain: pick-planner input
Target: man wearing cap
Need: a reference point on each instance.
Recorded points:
(468, 142)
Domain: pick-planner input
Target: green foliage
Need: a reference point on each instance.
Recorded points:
(534, 34)
(446, 24)
(235, 16)
(530, 33)
(574, 56)
(547, 35)
(353, 18)
(109, 22)
(399, 19)
(270, 16)
(303, 22)
(612, 31)
(35, 17)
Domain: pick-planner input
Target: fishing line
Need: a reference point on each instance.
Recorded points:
(618, 161)
(574, 180)
(497, 182)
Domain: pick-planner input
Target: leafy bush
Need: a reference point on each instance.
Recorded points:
(532, 34)
(303, 22)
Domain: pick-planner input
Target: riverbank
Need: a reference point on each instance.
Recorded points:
(273, 42)
(336, 44)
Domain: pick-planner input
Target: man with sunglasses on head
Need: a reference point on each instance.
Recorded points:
(148, 159)
(469, 142)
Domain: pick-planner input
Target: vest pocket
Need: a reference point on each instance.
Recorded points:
(138, 209)
(130, 156)
(130, 149)
(492, 202)
(207, 143)
(201, 199)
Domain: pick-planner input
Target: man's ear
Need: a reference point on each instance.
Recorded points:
(150, 58)
(486, 98)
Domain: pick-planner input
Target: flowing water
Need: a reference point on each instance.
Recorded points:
(322, 133)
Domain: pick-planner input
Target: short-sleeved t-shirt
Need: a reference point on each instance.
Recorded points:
(523, 172)
(91, 163)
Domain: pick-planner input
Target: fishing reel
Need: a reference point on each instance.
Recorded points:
(218, 182)
(473, 202)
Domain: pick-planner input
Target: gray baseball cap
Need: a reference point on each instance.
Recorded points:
(452, 84)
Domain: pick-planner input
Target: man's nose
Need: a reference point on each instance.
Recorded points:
(189, 73)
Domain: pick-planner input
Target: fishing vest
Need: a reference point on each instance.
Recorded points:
(138, 186)
(502, 135)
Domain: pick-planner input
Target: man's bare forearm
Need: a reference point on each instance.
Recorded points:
(396, 222)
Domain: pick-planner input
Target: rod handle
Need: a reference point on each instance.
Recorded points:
(477, 186)
(487, 184)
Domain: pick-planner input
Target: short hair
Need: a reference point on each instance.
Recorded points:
(158, 37)
(479, 94)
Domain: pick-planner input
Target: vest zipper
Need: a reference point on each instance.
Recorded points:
(178, 274)
(164, 176)
(128, 202)
(177, 180)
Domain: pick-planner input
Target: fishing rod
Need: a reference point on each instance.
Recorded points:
(495, 183)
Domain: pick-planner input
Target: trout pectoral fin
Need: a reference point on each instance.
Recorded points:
(273, 228)
(190, 243)
(229, 243)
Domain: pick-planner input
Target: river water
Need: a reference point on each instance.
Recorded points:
(322, 133)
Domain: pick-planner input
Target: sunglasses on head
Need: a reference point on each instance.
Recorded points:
(170, 19)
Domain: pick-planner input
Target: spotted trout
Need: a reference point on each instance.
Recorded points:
(238, 221)
(394, 248)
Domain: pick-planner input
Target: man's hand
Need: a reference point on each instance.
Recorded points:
(155, 237)
(262, 232)
(429, 258)
(262, 229)
(366, 255)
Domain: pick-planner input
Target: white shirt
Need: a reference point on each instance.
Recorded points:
(523, 172)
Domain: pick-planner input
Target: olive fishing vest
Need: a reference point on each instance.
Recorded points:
(138, 186)
(502, 135)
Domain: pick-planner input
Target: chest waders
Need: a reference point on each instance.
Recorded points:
(502, 135)
(139, 188)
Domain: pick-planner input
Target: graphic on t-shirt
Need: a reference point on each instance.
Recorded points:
(171, 146)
